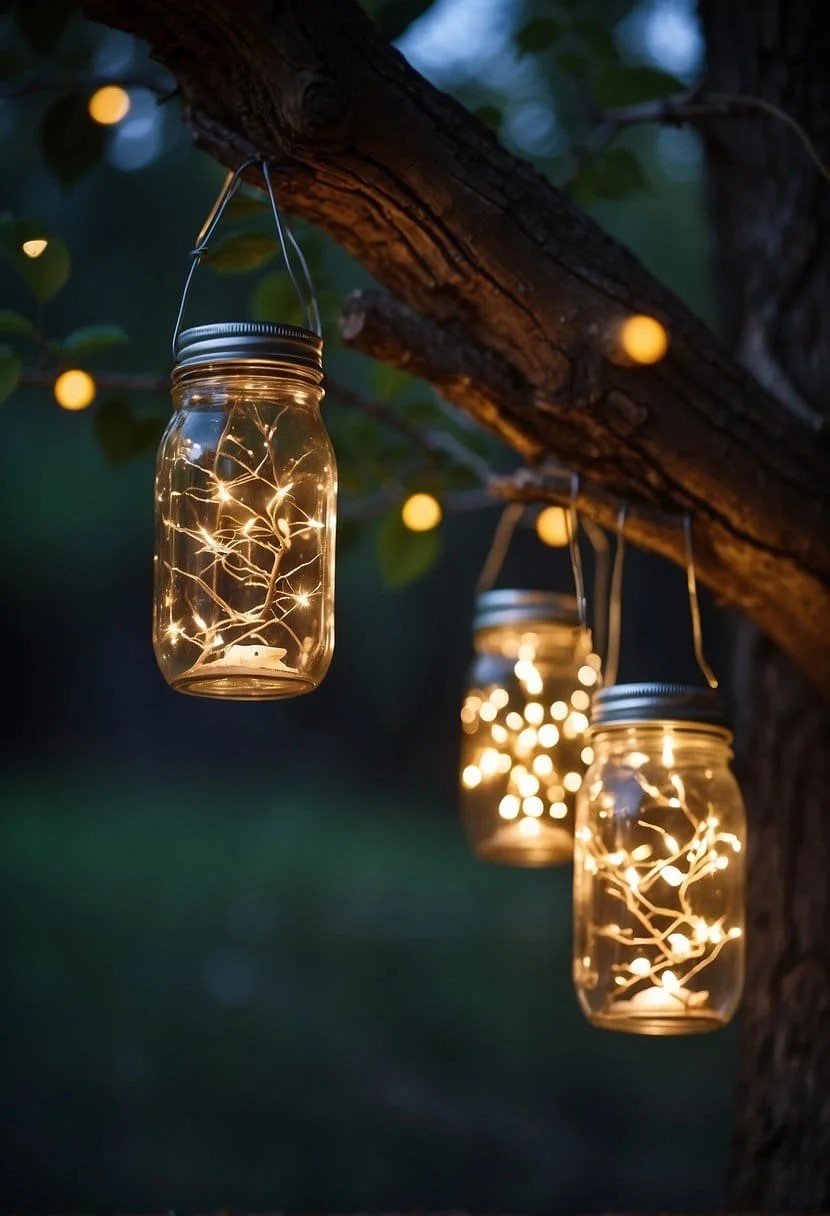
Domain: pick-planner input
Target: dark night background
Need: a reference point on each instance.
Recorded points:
(247, 959)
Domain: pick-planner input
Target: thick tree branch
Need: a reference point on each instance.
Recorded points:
(477, 241)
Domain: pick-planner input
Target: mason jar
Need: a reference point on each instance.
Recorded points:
(659, 864)
(245, 515)
(524, 721)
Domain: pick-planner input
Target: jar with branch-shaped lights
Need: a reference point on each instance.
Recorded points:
(523, 722)
(659, 864)
(245, 509)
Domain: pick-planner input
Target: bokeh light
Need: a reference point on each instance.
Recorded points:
(109, 104)
(421, 512)
(34, 248)
(552, 526)
(74, 389)
(644, 339)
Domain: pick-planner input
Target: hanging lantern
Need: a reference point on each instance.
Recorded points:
(245, 508)
(524, 721)
(659, 864)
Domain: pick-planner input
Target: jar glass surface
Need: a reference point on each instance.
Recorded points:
(523, 749)
(659, 880)
(245, 515)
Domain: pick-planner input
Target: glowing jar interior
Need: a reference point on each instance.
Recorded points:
(659, 879)
(245, 512)
(523, 725)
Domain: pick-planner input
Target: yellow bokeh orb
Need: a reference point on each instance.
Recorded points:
(644, 339)
(109, 104)
(421, 512)
(34, 248)
(552, 526)
(75, 389)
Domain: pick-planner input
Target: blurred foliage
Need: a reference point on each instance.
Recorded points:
(569, 60)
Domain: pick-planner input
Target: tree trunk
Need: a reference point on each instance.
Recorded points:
(772, 215)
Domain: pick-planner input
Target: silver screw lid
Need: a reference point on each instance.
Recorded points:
(516, 607)
(249, 340)
(629, 704)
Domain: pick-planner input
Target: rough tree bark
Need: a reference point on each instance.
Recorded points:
(478, 244)
(772, 215)
(508, 302)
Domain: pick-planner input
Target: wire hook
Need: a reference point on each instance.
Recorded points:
(612, 659)
(287, 241)
(497, 552)
(576, 555)
(694, 606)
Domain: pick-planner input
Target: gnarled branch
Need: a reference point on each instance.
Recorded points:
(477, 243)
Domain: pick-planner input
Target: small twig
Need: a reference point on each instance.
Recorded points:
(688, 107)
(34, 377)
(431, 443)
(38, 82)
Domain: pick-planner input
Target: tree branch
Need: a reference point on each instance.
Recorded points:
(477, 242)
(116, 382)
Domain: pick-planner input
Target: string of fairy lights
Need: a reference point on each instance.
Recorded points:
(631, 784)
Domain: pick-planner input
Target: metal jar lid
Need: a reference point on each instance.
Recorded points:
(260, 341)
(513, 607)
(631, 704)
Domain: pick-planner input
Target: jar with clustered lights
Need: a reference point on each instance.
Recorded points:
(245, 508)
(524, 720)
(659, 864)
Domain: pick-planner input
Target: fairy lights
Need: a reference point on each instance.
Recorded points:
(421, 513)
(552, 527)
(35, 247)
(523, 727)
(109, 104)
(74, 389)
(659, 865)
(245, 514)
(643, 339)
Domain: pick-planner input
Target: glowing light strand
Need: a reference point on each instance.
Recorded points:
(246, 547)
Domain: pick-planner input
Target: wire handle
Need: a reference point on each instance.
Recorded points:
(497, 552)
(576, 554)
(306, 295)
(612, 658)
(694, 606)
(599, 543)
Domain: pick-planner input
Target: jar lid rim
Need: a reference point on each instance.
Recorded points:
(504, 606)
(228, 341)
(653, 703)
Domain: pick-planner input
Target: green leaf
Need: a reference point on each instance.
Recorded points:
(42, 22)
(573, 63)
(404, 556)
(598, 39)
(274, 299)
(241, 251)
(537, 35)
(70, 141)
(92, 338)
(47, 274)
(121, 434)
(15, 323)
(616, 174)
(491, 116)
(243, 206)
(625, 86)
(10, 369)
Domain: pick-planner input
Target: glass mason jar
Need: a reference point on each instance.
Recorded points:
(245, 514)
(659, 864)
(523, 724)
